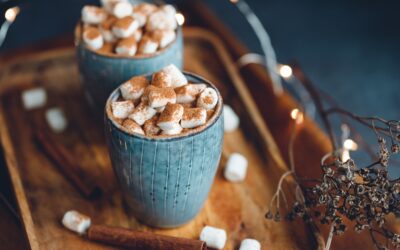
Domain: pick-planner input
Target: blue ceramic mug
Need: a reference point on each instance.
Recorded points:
(103, 72)
(166, 180)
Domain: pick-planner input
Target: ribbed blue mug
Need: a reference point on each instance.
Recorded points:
(102, 73)
(166, 180)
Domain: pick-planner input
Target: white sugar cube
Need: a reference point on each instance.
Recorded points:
(250, 244)
(214, 237)
(231, 120)
(34, 98)
(56, 119)
(236, 168)
(76, 221)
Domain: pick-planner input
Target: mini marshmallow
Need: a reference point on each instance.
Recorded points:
(126, 46)
(140, 17)
(147, 45)
(250, 244)
(76, 222)
(159, 97)
(214, 237)
(161, 20)
(93, 38)
(164, 37)
(56, 119)
(175, 129)
(132, 127)
(178, 78)
(189, 92)
(236, 167)
(170, 116)
(208, 99)
(34, 98)
(145, 8)
(145, 96)
(108, 5)
(161, 80)
(138, 34)
(93, 14)
(231, 120)
(193, 117)
(150, 126)
(122, 109)
(125, 27)
(142, 113)
(169, 9)
(122, 9)
(134, 88)
(105, 29)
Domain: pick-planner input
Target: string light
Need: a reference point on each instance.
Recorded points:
(297, 116)
(349, 144)
(10, 16)
(265, 42)
(180, 18)
(285, 71)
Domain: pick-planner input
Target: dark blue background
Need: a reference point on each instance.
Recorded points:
(348, 48)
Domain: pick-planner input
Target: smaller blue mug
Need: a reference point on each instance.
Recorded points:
(101, 73)
(166, 180)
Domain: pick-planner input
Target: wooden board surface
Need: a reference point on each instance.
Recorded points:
(44, 195)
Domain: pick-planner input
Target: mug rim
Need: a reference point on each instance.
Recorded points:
(208, 125)
(79, 44)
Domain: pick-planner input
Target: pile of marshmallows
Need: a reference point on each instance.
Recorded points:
(168, 105)
(125, 29)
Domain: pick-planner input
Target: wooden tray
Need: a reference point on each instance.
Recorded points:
(43, 194)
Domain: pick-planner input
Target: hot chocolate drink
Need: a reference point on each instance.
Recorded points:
(165, 105)
(125, 29)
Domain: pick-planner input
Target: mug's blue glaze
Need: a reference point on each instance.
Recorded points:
(101, 74)
(165, 181)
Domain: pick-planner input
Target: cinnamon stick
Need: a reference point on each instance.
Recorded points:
(66, 163)
(141, 240)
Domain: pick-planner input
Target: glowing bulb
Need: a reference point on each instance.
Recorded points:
(345, 155)
(180, 19)
(285, 71)
(297, 115)
(11, 14)
(349, 144)
(234, 1)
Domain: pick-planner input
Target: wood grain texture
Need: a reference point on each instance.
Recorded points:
(311, 142)
(43, 194)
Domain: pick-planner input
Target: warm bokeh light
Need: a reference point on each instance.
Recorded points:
(345, 155)
(349, 144)
(180, 18)
(297, 115)
(234, 1)
(285, 71)
(11, 14)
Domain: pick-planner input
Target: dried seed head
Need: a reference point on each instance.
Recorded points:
(395, 148)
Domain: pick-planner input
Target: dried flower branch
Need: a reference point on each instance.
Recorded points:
(345, 191)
